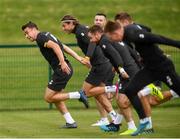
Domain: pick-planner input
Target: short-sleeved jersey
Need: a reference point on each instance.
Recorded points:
(48, 53)
(83, 41)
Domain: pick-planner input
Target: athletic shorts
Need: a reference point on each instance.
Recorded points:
(110, 78)
(99, 74)
(59, 79)
(122, 85)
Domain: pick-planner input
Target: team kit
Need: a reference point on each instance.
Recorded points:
(121, 47)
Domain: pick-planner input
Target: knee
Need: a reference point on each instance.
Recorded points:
(153, 101)
(48, 99)
(48, 96)
(123, 102)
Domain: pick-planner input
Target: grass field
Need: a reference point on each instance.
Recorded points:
(24, 72)
(46, 124)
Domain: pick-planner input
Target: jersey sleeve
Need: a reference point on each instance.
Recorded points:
(114, 56)
(81, 36)
(42, 40)
(149, 38)
(91, 49)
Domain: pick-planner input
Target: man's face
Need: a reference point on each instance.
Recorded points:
(68, 27)
(30, 33)
(116, 35)
(94, 37)
(123, 22)
(100, 20)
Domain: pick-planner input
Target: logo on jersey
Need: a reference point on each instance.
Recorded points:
(121, 43)
(82, 34)
(104, 46)
(141, 36)
(51, 82)
(169, 81)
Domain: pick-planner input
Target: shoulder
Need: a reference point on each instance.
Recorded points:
(81, 30)
(143, 27)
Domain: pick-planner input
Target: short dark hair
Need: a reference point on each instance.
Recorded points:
(111, 26)
(70, 18)
(101, 14)
(29, 25)
(123, 16)
(95, 28)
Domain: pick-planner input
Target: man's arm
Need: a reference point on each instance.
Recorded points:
(149, 38)
(59, 54)
(113, 55)
(74, 54)
(115, 58)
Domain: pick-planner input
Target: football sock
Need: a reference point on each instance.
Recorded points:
(113, 115)
(131, 125)
(74, 95)
(174, 95)
(118, 119)
(110, 89)
(68, 118)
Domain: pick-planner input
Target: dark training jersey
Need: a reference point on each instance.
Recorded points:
(48, 53)
(110, 52)
(129, 63)
(132, 50)
(97, 56)
(118, 54)
(146, 44)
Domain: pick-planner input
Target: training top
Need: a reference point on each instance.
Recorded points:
(146, 44)
(96, 56)
(48, 53)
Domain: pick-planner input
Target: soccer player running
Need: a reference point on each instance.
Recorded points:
(156, 65)
(100, 20)
(53, 51)
(122, 59)
(125, 19)
(100, 65)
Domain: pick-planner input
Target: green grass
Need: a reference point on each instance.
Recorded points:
(161, 15)
(27, 124)
(24, 72)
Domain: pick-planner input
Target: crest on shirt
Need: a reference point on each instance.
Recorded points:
(82, 34)
(104, 46)
(141, 36)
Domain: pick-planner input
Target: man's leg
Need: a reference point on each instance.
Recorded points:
(139, 81)
(126, 111)
(57, 98)
(52, 96)
(104, 119)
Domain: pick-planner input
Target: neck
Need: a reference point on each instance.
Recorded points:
(36, 33)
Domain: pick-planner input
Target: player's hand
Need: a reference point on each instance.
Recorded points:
(65, 68)
(125, 75)
(86, 62)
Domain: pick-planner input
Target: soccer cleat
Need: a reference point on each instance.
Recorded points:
(83, 98)
(149, 131)
(68, 125)
(155, 91)
(128, 132)
(110, 128)
(140, 129)
(101, 122)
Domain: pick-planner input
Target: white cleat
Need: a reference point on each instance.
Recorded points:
(101, 122)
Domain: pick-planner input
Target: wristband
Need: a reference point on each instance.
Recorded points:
(86, 57)
(121, 70)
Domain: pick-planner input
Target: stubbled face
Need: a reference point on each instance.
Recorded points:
(116, 35)
(123, 22)
(94, 37)
(100, 20)
(68, 27)
(30, 33)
